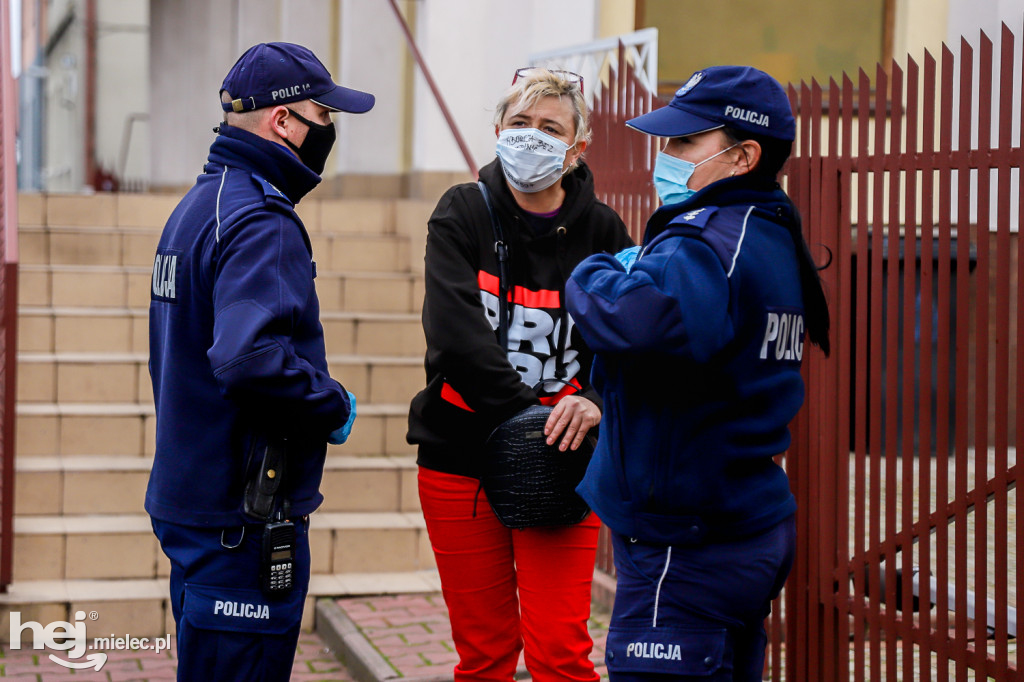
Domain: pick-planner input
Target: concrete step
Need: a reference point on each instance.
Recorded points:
(105, 211)
(124, 377)
(96, 484)
(123, 546)
(45, 329)
(140, 607)
(333, 251)
(99, 286)
(128, 429)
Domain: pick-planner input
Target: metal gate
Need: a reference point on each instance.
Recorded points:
(904, 457)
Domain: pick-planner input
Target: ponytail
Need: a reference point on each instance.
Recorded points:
(774, 153)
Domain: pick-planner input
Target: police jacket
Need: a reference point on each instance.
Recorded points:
(472, 383)
(236, 346)
(698, 361)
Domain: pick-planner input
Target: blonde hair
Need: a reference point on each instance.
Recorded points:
(541, 83)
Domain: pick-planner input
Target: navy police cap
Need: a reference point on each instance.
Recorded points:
(269, 74)
(738, 97)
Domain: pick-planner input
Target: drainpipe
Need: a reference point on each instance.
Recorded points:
(90, 94)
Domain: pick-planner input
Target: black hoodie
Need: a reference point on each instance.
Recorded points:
(472, 384)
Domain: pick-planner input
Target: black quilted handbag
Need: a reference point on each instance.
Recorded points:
(530, 483)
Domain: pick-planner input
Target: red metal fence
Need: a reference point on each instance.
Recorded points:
(8, 293)
(904, 457)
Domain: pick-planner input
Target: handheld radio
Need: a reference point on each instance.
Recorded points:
(277, 563)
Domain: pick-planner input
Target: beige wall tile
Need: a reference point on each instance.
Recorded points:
(140, 333)
(145, 210)
(329, 291)
(137, 617)
(425, 557)
(35, 333)
(308, 211)
(395, 383)
(101, 435)
(31, 209)
(357, 216)
(139, 248)
(105, 492)
(38, 492)
(354, 490)
(84, 247)
(144, 392)
(38, 557)
(367, 437)
(79, 382)
(88, 288)
(392, 337)
(33, 247)
(375, 549)
(339, 336)
(149, 436)
(36, 435)
(383, 295)
(33, 287)
(417, 295)
(410, 491)
(99, 333)
(163, 565)
(97, 210)
(354, 377)
(321, 550)
(140, 285)
(39, 613)
(359, 254)
(394, 435)
(36, 382)
(111, 555)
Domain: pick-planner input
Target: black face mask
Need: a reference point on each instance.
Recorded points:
(316, 146)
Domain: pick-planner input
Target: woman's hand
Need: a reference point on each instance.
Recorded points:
(573, 415)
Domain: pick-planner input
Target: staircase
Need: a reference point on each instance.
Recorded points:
(86, 424)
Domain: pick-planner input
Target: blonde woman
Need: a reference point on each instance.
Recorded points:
(511, 590)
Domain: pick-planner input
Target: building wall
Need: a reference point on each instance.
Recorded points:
(122, 102)
(791, 39)
(471, 48)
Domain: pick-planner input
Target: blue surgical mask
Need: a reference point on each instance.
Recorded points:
(671, 175)
(532, 160)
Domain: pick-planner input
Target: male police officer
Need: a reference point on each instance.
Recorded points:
(238, 362)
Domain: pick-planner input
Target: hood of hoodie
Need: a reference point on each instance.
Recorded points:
(237, 148)
(577, 183)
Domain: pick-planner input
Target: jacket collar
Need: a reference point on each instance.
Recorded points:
(237, 148)
(578, 185)
(739, 190)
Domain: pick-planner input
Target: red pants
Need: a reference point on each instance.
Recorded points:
(509, 588)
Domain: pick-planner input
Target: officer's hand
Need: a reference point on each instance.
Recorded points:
(340, 435)
(574, 415)
(628, 256)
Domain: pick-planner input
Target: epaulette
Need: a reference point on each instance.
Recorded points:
(271, 193)
(724, 236)
(698, 217)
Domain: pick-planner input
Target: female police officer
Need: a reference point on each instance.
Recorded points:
(698, 344)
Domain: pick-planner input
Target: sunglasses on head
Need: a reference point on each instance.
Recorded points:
(528, 71)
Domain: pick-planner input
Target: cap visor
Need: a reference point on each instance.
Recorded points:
(670, 121)
(346, 99)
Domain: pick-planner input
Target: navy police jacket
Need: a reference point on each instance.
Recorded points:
(698, 363)
(236, 346)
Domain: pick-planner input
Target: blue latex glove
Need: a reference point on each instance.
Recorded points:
(340, 435)
(628, 256)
